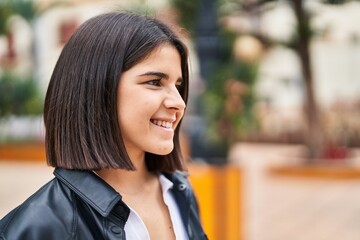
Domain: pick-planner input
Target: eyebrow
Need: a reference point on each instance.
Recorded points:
(157, 74)
(160, 75)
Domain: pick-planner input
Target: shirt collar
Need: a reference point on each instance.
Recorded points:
(165, 183)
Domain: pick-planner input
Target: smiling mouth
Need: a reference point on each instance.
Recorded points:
(163, 124)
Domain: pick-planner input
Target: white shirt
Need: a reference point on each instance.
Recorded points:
(135, 228)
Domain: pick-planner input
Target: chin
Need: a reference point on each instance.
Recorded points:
(163, 150)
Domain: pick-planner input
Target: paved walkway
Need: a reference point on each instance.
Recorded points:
(18, 180)
(276, 208)
(290, 208)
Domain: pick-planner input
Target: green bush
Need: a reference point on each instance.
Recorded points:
(19, 96)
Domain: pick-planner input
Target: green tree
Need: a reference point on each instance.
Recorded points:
(19, 96)
(300, 43)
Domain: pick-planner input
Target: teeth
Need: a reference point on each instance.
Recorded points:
(160, 123)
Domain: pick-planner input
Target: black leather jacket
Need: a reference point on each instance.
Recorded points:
(80, 205)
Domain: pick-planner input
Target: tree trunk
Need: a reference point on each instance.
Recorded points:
(314, 134)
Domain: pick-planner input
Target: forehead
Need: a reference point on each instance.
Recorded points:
(165, 58)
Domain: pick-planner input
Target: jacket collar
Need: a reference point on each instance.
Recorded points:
(90, 188)
(182, 193)
(102, 197)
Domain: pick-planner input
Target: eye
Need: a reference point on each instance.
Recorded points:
(155, 82)
(180, 85)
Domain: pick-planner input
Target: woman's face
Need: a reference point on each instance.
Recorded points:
(149, 103)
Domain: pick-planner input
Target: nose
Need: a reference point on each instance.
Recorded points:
(174, 100)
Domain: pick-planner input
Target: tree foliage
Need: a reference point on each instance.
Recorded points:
(188, 13)
(19, 96)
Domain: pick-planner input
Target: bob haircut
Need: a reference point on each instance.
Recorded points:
(80, 111)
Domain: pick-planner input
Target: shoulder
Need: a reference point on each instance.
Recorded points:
(42, 215)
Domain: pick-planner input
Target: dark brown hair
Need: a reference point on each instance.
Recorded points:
(80, 113)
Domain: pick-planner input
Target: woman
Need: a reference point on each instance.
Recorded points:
(112, 115)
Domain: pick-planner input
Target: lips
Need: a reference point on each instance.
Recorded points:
(162, 123)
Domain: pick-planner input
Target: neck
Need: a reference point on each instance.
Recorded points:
(128, 182)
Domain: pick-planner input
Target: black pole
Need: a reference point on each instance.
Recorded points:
(207, 45)
(206, 37)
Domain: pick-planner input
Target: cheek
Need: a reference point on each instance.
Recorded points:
(179, 116)
(133, 111)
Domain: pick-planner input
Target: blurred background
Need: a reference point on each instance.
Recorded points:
(272, 129)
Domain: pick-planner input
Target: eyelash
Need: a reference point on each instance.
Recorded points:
(180, 86)
(157, 83)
